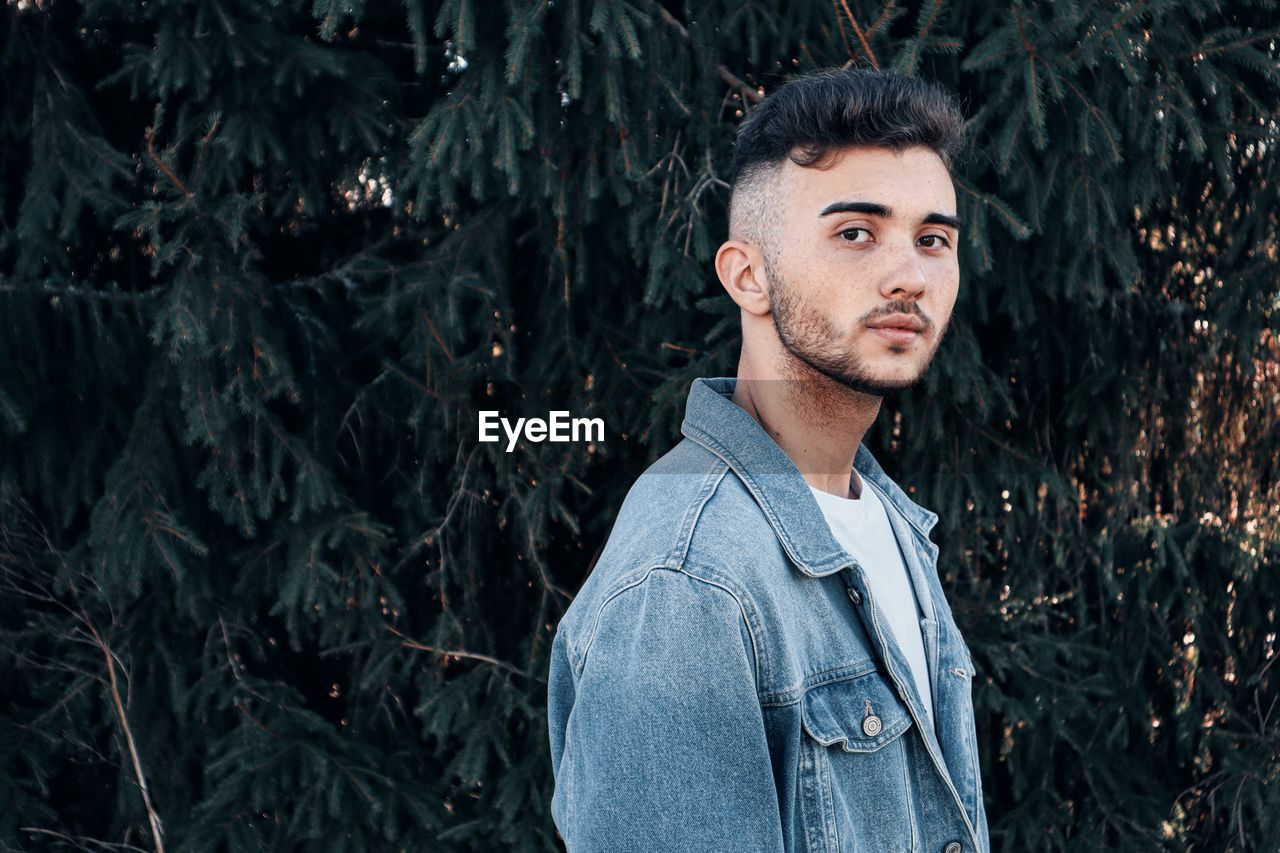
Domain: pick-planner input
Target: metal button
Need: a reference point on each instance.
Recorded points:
(871, 726)
(952, 847)
(855, 596)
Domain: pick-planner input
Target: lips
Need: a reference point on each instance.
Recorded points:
(899, 322)
(899, 328)
(896, 333)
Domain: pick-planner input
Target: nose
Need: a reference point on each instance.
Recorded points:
(905, 277)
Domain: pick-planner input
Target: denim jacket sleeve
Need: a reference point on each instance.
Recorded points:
(658, 739)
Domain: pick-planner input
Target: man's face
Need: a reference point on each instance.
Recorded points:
(840, 270)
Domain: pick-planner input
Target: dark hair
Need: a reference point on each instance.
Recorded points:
(807, 117)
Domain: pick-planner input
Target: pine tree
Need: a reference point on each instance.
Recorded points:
(262, 264)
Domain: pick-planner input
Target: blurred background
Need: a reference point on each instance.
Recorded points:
(261, 264)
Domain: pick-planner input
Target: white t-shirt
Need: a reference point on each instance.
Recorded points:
(862, 528)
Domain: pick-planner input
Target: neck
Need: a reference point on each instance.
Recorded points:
(817, 421)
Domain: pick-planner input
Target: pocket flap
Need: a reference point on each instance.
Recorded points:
(836, 712)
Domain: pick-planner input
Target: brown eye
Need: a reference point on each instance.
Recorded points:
(851, 231)
(944, 240)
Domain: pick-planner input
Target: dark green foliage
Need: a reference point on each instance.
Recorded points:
(261, 263)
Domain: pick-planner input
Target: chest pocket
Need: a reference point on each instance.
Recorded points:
(855, 794)
(861, 714)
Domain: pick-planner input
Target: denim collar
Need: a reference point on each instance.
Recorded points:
(717, 423)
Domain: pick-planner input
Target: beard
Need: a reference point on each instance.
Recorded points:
(810, 339)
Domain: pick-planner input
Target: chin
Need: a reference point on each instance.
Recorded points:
(896, 377)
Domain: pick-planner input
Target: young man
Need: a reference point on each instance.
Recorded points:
(763, 658)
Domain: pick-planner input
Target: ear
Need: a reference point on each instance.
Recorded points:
(740, 267)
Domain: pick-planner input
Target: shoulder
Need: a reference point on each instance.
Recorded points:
(661, 614)
(687, 531)
(657, 519)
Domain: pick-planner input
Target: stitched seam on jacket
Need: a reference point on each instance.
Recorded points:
(721, 451)
(759, 656)
(910, 791)
(844, 672)
(672, 560)
(637, 581)
(971, 735)
(630, 580)
(750, 614)
(829, 802)
(684, 537)
(811, 796)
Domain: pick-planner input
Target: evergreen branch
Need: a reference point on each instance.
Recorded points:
(1202, 52)
(81, 840)
(455, 500)
(1109, 30)
(346, 771)
(61, 703)
(1008, 449)
(164, 167)
(342, 271)
(862, 37)
(804, 48)
(408, 642)
(684, 108)
(542, 569)
(671, 160)
(848, 48)
(1097, 114)
(622, 146)
(737, 82)
(671, 19)
(432, 537)
(396, 369)
(242, 707)
(109, 657)
(921, 37)
(431, 327)
(1019, 228)
(1027, 46)
(204, 143)
(622, 365)
(70, 290)
(537, 629)
(723, 70)
(884, 16)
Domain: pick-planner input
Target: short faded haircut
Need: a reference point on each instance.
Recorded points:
(809, 117)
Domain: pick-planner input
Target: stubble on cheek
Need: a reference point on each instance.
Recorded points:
(810, 389)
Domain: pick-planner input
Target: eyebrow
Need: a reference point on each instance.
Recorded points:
(874, 209)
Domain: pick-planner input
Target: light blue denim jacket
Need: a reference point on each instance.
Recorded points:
(724, 681)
